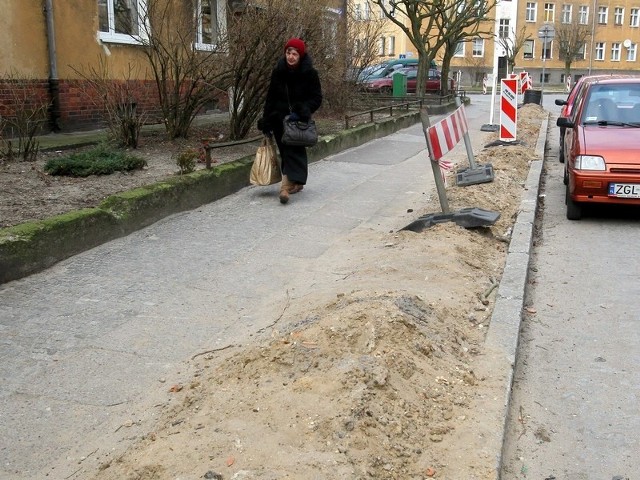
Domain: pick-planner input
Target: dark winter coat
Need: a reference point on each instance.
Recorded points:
(304, 92)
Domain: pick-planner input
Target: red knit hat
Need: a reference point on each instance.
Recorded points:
(297, 44)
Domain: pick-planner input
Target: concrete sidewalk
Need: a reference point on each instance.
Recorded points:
(85, 342)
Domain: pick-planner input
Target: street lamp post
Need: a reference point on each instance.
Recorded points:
(547, 32)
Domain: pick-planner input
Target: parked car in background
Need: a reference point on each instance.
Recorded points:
(602, 144)
(567, 105)
(385, 85)
(386, 68)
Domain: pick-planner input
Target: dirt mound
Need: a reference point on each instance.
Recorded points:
(370, 385)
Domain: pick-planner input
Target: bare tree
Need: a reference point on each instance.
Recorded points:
(512, 45)
(117, 98)
(28, 116)
(187, 77)
(460, 21)
(363, 40)
(572, 39)
(431, 25)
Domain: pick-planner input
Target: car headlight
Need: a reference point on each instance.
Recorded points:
(590, 162)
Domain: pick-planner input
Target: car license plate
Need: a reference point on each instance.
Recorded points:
(624, 190)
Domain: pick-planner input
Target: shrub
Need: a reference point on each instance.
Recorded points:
(186, 160)
(98, 161)
(28, 116)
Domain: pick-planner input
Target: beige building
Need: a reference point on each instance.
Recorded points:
(48, 47)
(611, 44)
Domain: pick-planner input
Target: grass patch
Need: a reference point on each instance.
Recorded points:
(100, 160)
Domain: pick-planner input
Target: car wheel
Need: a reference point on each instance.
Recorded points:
(574, 209)
(561, 155)
(386, 90)
(566, 175)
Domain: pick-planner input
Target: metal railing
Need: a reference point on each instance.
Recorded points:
(427, 99)
(388, 108)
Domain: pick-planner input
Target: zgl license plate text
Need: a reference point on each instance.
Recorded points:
(624, 190)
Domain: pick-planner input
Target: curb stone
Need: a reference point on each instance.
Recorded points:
(503, 335)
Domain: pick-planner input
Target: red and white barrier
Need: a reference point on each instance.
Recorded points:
(508, 109)
(525, 82)
(445, 135)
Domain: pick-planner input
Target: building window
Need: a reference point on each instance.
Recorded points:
(208, 24)
(121, 21)
(634, 17)
(581, 54)
(603, 13)
(530, 13)
(631, 52)
(459, 52)
(358, 12)
(615, 52)
(618, 16)
(528, 49)
(367, 11)
(546, 50)
(478, 47)
(391, 47)
(566, 13)
(549, 12)
(600, 51)
(381, 44)
(583, 15)
(503, 28)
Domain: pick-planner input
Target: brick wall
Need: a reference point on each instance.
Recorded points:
(81, 106)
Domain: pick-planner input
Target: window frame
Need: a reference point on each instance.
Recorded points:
(220, 13)
(600, 48)
(549, 12)
(632, 52)
(616, 49)
(477, 47)
(603, 14)
(567, 13)
(391, 47)
(634, 17)
(381, 46)
(618, 15)
(583, 14)
(547, 50)
(529, 55)
(503, 28)
(531, 12)
(459, 50)
(112, 36)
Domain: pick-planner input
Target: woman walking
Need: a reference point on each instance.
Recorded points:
(294, 90)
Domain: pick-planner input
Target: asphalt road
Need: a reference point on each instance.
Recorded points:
(574, 407)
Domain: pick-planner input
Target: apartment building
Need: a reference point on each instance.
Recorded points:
(610, 32)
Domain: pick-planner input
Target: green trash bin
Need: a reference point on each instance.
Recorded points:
(399, 84)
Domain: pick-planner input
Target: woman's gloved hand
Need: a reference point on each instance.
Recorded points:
(302, 111)
(264, 126)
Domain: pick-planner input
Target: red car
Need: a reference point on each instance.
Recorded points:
(385, 85)
(602, 145)
(567, 105)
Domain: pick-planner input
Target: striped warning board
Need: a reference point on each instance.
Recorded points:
(525, 82)
(508, 109)
(445, 134)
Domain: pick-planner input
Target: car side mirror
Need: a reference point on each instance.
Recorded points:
(564, 122)
(560, 102)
